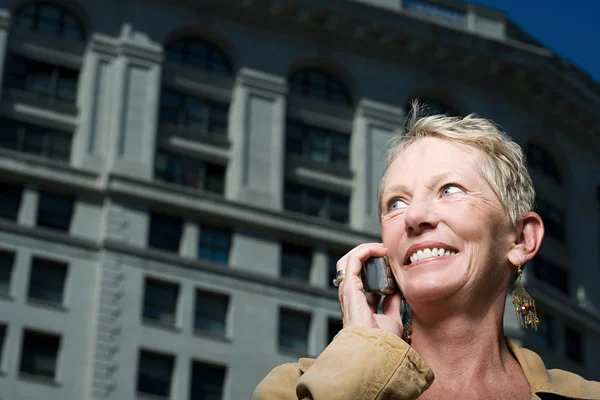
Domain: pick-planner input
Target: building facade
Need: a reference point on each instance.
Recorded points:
(179, 178)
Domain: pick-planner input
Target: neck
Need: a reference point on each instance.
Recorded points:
(465, 347)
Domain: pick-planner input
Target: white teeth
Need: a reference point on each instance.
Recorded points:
(429, 253)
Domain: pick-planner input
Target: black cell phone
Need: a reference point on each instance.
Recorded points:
(377, 276)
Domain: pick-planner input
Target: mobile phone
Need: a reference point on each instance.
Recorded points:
(377, 276)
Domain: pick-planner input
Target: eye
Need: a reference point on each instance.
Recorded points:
(450, 190)
(395, 204)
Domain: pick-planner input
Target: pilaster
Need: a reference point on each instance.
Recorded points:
(374, 125)
(255, 172)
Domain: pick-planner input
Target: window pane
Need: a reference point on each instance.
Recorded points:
(319, 84)
(199, 54)
(49, 19)
(160, 301)
(207, 381)
(9, 135)
(538, 159)
(39, 354)
(47, 281)
(7, 261)
(165, 232)
(211, 313)
(214, 244)
(155, 373)
(554, 219)
(10, 200)
(574, 345)
(334, 325)
(296, 262)
(544, 337)
(551, 274)
(293, 330)
(2, 336)
(55, 211)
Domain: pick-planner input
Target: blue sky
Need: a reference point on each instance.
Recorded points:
(569, 28)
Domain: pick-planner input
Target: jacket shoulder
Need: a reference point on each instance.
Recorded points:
(572, 386)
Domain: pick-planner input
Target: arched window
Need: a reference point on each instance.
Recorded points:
(199, 53)
(539, 160)
(310, 82)
(49, 19)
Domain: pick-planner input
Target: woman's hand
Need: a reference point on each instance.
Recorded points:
(360, 308)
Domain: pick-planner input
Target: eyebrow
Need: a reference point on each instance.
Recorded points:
(400, 188)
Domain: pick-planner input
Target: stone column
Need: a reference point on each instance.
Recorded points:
(374, 125)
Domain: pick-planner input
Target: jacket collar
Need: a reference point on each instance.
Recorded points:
(561, 383)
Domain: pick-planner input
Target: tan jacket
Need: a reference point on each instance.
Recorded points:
(394, 371)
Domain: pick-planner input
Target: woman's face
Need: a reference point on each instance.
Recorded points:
(436, 198)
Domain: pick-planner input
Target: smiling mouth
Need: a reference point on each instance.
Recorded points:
(427, 253)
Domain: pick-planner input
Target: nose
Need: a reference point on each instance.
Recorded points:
(420, 215)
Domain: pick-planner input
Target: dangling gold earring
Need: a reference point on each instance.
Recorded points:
(524, 304)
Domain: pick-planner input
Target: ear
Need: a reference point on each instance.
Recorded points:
(528, 240)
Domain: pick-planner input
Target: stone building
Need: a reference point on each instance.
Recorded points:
(178, 179)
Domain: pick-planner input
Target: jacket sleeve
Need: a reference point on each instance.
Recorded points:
(360, 363)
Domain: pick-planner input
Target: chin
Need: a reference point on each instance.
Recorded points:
(430, 287)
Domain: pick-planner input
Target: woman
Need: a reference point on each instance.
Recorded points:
(461, 185)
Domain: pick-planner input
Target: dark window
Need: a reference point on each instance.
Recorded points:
(34, 139)
(7, 260)
(42, 79)
(198, 116)
(296, 262)
(160, 301)
(165, 232)
(39, 354)
(49, 19)
(211, 313)
(316, 144)
(316, 202)
(2, 336)
(207, 381)
(47, 281)
(189, 172)
(10, 200)
(55, 211)
(334, 325)
(552, 274)
(155, 372)
(293, 331)
(544, 337)
(574, 345)
(199, 53)
(554, 219)
(539, 160)
(214, 244)
(319, 84)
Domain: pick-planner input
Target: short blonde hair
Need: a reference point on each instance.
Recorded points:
(503, 166)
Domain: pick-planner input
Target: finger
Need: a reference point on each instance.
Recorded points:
(359, 255)
(392, 306)
(342, 262)
(373, 301)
